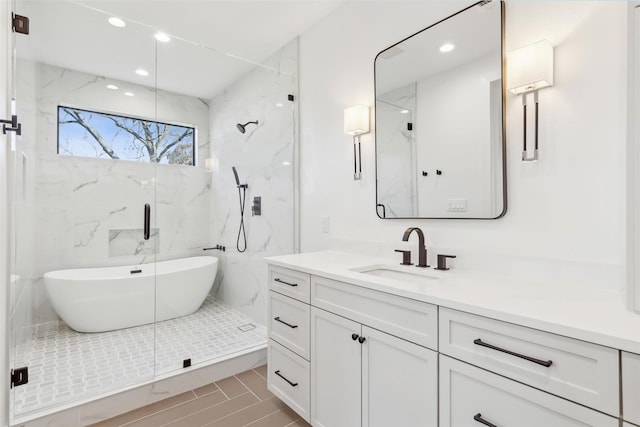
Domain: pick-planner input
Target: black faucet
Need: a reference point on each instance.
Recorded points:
(422, 250)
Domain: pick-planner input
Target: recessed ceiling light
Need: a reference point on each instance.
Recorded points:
(447, 47)
(162, 37)
(129, 94)
(117, 22)
(404, 112)
(142, 72)
(112, 87)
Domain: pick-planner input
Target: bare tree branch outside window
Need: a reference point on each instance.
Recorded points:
(87, 133)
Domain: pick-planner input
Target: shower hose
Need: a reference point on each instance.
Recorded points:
(242, 195)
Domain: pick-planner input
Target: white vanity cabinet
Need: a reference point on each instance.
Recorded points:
(364, 377)
(470, 396)
(288, 367)
(353, 356)
(370, 359)
(582, 372)
(360, 356)
(335, 374)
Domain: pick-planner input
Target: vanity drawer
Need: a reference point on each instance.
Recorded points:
(288, 378)
(288, 282)
(631, 387)
(583, 372)
(412, 320)
(469, 395)
(289, 323)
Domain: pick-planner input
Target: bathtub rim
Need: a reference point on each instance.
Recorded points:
(75, 274)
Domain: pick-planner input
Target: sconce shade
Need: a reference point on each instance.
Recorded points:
(530, 67)
(356, 120)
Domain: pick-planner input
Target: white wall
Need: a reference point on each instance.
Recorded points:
(565, 218)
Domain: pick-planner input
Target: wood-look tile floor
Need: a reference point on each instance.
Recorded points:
(238, 401)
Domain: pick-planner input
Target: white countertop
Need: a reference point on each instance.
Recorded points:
(587, 313)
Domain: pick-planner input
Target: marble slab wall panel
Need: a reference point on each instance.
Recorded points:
(396, 171)
(72, 203)
(131, 241)
(264, 158)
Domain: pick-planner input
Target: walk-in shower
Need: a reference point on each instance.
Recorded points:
(99, 144)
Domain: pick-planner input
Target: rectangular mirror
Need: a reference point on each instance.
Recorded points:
(440, 150)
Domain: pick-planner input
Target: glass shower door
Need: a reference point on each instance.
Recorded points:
(83, 246)
(199, 202)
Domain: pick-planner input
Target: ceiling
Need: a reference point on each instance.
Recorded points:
(213, 42)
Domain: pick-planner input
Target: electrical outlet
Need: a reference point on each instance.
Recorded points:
(324, 224)
(457, 205)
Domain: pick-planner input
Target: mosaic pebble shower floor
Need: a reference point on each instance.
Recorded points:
(67, 366)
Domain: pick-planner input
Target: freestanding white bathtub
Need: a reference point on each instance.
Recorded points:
(109, 298)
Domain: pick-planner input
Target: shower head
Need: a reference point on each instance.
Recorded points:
(241, 127)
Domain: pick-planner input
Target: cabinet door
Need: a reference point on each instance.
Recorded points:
(335, 370)
(399, 382)
(471, 397)
(631, 387)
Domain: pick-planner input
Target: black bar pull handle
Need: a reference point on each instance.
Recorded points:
(545, 363)
(147, 221)
(277, 279)
(281, 376)
(478, 418)
(277, 319)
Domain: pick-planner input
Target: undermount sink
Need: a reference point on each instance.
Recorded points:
(401, 273)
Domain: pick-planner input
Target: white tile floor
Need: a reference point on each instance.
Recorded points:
(66, 366)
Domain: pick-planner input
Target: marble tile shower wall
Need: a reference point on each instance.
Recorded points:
(396, 151)
(81, 212)
(264, 157)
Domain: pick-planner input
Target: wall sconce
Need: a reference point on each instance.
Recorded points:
(530, 69)
(356, 122)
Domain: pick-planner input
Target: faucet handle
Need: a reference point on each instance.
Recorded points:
(406, 257)
(442, 262)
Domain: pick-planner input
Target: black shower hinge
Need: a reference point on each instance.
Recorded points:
(186, 363)
(409, 126)
(15, 126)
(19, 376)
(291, 98)
(19, 24)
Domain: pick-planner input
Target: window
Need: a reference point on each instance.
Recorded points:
(87, 133)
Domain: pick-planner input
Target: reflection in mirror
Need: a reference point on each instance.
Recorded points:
(439, 120)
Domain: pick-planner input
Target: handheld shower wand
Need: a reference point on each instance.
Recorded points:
(242, 195)
(235, 174)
